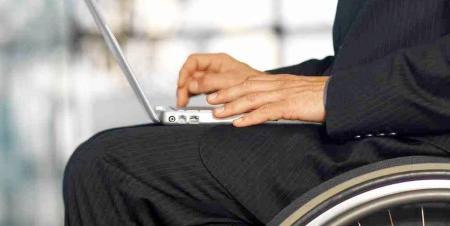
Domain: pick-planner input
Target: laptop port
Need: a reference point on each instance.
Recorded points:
(194, 119)
(182, 119)
(172, 119)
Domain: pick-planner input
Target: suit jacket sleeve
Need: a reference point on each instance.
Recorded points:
(310, 67)
(404, 93)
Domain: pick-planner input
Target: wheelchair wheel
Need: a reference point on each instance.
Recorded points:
(404, 191)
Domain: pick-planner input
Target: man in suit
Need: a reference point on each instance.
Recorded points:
(385, 94)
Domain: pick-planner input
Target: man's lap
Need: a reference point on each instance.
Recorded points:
(136, 171)
(263, 167)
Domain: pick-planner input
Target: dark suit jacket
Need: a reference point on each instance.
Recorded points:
(391, 71)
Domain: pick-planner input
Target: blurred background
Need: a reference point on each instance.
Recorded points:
(59, 84)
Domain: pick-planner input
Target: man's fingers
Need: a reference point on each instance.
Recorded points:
(195, 62)
(200, 62)
(255, 100)
(182, 97)
(247, 103)
(247, 87)
(207, 82)
(183, 93)
(268, 112)
(234, 92)
(202, 82)
(198, 74)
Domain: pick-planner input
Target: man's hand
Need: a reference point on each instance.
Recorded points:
(272, 97)
(244, 90)
(207, 73)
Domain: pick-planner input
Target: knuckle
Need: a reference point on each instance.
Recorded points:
(278, 83)
(283, 83)
(230, 107)
(221, 95)
(191, 87)
(290, 104)
(251, 77)
(288, 114)
(252, 98)
(181, 73)
(245, 65)
(190, 58)
(265, 110)
(203, 82)
(223, 55)
(247, 84)
(272, 117)
(205, 77)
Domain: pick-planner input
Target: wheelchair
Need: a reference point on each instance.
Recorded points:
(402, 191)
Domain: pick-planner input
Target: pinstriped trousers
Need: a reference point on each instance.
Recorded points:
(209, 175)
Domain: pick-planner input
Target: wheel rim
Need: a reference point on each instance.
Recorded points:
(382, 197)
(298, 216)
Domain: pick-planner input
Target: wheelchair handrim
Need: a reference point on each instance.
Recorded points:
(432, 195)
(293, 218)
(382, 197)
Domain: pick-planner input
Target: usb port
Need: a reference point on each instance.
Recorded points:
(194, 119)
(182, 119)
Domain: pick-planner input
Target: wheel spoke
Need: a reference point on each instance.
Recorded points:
(423, 216)
(390, 218)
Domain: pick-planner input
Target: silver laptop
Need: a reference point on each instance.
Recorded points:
(160, 114)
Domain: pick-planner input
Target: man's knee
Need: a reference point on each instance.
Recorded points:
(123, 146)
(126, 146)
(88, 158)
